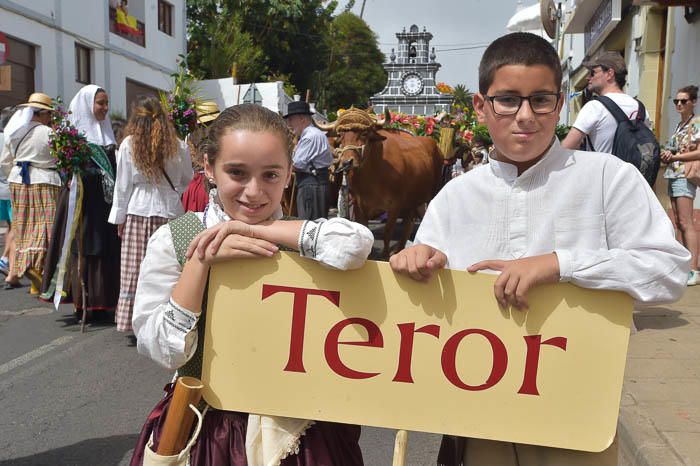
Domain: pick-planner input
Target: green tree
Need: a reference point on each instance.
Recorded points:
(263, 37)
(354, 69)
(217, 41)
(463, 98)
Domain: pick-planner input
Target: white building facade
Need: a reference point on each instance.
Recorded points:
(58, 46)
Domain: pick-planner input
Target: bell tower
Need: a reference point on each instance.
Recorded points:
(411, 77)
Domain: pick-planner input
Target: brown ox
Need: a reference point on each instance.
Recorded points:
(392, 171)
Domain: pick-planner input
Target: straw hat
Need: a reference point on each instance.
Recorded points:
(207, 111)
(40, 101)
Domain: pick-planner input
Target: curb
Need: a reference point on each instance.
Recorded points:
(640, 444)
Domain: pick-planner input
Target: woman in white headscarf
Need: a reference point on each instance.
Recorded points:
(34, 186)
(98, 238)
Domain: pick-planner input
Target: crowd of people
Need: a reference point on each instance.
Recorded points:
(138, 252)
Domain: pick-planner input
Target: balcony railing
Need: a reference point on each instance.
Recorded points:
(127, 27)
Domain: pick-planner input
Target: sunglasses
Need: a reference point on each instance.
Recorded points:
(592, 71)
(680, 101)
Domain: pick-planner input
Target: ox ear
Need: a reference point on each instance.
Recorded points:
(373, 136)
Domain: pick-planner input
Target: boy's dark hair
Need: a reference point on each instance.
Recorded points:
(517, 48)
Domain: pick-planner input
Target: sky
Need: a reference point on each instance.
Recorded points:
(455, 24)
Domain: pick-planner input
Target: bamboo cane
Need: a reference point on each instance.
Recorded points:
(400, 445)
(179, 417)
(290, 208)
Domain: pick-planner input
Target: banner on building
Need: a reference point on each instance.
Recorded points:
(288, 337)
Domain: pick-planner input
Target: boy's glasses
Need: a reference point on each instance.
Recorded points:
(510, 104)
(680, 101)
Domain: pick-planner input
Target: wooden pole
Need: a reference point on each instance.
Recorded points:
(179, 417)
(290, 208)
(400, 445)
(308, 95)
(81, 267)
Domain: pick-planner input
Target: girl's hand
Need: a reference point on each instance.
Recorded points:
(519, 276)
(207, 243)
(120, 229)
(236, 246)
(666, 155)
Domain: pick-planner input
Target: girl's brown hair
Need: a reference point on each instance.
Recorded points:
(247, 117)
(153, 138)
(691, 90)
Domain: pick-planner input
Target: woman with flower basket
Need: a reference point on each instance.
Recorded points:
(86, 151)
(34, 186)
(153, 168)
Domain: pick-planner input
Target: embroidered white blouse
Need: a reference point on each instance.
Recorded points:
(595, 211)
(134, 194)
(167, 332)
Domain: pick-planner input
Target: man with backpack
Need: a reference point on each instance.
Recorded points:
(615, 122)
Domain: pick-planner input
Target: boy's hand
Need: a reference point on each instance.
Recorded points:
(519, 276)
(207, 243)
(418, 262)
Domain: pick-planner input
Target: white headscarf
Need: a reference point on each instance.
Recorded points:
(83, 118)
(18, 121)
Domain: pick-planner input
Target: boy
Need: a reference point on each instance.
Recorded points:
(539, 213)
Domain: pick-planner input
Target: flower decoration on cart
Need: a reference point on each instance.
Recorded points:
(180, 104)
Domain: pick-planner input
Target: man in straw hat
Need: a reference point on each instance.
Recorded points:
(196, 196)
(312, 157)
(34, 185)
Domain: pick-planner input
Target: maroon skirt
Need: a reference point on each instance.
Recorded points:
(221, 441)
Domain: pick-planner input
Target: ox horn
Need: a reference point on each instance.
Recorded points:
(379, 123)
(328, 127)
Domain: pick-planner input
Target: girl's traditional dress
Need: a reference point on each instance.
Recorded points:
(34, 185)
(97, 237)
(170, 334)
(143, 207)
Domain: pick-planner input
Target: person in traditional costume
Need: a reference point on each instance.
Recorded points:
(96, 241)
(249, 163)
(153, 168)
(34, 186)
(196, 196)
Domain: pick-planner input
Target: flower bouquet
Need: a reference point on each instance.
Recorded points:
(180, 104)
(67, 145)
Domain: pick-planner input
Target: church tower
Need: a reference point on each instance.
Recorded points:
(411, 77)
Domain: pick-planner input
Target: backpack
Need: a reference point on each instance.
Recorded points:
(634, 142)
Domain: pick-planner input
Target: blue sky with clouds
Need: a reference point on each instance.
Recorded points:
(460, 29)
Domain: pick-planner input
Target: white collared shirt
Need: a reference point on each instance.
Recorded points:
(167, 332)
(134, 194)
(596, 212)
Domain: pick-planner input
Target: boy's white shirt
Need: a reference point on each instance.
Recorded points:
(596, 212)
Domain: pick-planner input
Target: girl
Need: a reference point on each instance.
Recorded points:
(152, 169)
(683, 147)
(98, 238)
(249, 163)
